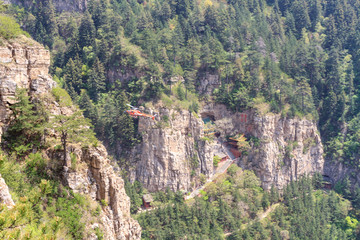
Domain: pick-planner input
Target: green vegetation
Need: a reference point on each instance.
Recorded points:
(44, 208)
(298, 58)
(235, 204)
(27, 125)
(216, 160)
(135, 191)
(9, 28)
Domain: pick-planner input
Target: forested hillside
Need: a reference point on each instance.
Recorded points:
(235, 207)
(298, 57)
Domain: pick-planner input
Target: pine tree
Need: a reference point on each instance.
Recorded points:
(73, 76)
(86, 31)
(97, 80)
(72, 128)
(26, 127)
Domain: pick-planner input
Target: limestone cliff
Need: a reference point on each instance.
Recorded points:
(24, 64)
(5, 197)
(172, 153)
(285, 148)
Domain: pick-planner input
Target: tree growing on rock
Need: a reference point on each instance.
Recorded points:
(72, 128)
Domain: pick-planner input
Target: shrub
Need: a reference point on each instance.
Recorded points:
(61, 96)
(216, 160)
(9, 27)
(73, 161)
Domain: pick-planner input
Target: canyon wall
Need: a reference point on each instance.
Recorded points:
(282, 149)
(24, 64)
(172, 153)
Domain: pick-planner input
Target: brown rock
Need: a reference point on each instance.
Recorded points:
(5, 197)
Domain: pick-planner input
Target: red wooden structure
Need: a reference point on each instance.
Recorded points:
(147, 199)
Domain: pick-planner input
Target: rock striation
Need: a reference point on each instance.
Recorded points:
(172, 152)
(95, 177)
(24, 64)
(283, 148)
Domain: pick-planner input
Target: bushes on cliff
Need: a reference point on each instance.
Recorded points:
(44, 208)
(9, 28)
(27, 125)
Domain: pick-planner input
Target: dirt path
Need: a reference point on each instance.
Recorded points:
(268, 211)
(259, 217)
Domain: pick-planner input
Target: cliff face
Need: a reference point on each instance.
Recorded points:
(24, 64)
(338, 171)
(284, 149)
(173, 154)
(5, 197)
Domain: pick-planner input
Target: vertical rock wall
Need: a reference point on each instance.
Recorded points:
(286, 148)
(171, 153)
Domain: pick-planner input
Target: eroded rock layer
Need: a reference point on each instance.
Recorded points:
(24, 64)
(283, 149)
(172, 152)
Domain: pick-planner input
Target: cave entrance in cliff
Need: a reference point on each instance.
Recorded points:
(207, 117)
(327, 182)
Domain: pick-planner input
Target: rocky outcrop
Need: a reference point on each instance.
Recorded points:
(172, 152)
(95, 176)
(207, 83)
(283, 148)
(24, 64)
(335, 171)
(5, 197)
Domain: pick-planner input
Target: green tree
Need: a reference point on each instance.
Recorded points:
(96, 81)
(86, 31)
(26, 127)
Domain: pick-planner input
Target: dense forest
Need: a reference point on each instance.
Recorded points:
(236, 207)
(298, 57)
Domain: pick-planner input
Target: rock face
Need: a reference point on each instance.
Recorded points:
(95, 177)
(338, 171)
(171, 153)
(5, 197)
(24, 64)
(284, 148)
(208, 83)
